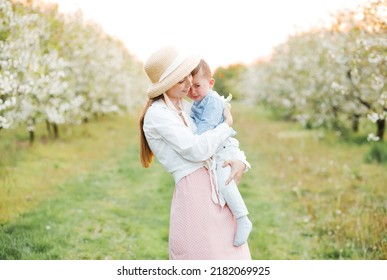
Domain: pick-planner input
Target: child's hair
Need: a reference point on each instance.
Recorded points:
(205, 67)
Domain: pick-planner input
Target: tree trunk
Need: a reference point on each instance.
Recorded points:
(31, 130)
(381, 123)
(355, 122)
(56, 131)
(32, 137)
(48, 127)
(335, 121)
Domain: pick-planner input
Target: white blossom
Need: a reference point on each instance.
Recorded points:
(372, 138)
(374, 117)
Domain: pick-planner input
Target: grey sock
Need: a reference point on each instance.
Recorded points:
(244, 227)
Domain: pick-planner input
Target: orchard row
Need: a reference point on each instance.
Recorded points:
(329, 73)
(60, 69)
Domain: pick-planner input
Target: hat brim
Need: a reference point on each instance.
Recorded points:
(183, 70)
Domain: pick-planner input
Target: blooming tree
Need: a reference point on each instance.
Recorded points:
(59, 69)
(319, 75)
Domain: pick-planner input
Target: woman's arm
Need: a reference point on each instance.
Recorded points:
(165, 124)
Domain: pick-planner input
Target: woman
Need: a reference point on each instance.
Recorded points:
(199, 228)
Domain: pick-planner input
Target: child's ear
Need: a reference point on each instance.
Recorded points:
(212, 82)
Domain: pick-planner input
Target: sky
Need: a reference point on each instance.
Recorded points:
(224, 32)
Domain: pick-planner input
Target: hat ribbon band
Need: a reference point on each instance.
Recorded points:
(175, 63)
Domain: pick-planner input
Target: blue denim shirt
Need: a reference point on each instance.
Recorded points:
(208, 112)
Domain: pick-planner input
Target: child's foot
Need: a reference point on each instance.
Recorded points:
(244, 227)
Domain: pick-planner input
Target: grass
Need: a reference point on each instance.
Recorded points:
(85, 196)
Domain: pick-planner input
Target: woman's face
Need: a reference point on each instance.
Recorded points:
(180, 90)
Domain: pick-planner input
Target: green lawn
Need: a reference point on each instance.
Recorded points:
(86, 196)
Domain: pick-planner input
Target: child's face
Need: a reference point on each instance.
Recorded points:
(200, 86)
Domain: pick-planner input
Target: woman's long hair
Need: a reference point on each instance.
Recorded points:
(146, 154)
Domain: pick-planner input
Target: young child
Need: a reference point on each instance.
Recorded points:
(207, 113)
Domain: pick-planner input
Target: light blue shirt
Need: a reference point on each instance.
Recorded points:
(208, 112)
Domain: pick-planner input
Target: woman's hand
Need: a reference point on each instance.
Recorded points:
(237, 170)
(227, 115)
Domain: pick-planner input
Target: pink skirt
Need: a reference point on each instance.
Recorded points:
(200, 229)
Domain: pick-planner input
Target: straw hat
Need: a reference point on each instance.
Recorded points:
(166, 67)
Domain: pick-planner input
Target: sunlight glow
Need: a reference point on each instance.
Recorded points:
(223, 32)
